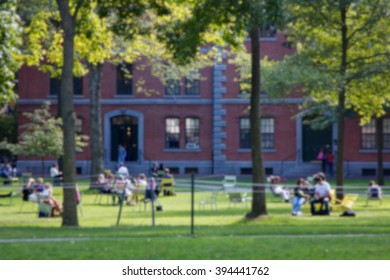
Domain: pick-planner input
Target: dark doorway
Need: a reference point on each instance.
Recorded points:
(313, 140)
(124, 131)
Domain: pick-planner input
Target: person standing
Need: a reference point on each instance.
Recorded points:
(323, 156)
(330, 163)
(122, 153)
(154, 169)
(122, 170)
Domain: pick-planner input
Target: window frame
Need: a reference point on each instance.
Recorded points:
(192, 87)
(124, 85)
(264, 134)
(245, 142)
(78, 125)
(195, 130)
(172, 87)
(368, 138)
(55, 86)
(168, 143)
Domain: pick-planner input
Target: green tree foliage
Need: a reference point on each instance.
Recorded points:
(342, 60)
(10, 32)
(41, 136)
(8, 131)
(234, 20)
(93, 44)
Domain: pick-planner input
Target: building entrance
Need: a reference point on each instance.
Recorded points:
(124, 131)
(313, 140)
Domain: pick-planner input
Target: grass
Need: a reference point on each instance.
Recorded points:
(219, 234)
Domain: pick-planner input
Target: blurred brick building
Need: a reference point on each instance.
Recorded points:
(202, 127)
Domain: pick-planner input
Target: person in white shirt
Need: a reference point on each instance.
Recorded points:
(321, 195)
(283, 192)
(122, 170)
(374, 191)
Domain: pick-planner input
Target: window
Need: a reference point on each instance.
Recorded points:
(268, 32)
(172, 133)
(191, 86)
(190, 170)
(123, 79)
(173, 87)
(267, 133)
(368, 135)
(245, 137)
(192, 133)
(79, 126)
(55, 86)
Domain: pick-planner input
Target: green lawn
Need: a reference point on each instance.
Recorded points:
(219, 234)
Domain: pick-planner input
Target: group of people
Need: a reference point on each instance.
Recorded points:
(326, 157)
(7, 171)
(303, 192)
(318, 195)
(127, 188)
(39, 190)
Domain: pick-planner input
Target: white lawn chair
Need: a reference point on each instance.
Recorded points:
(229, 182)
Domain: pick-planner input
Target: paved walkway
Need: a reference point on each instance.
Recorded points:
(74, 239)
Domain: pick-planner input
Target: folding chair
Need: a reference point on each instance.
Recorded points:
(167, 186)
(45, 209)
(229, 182)
(209, 200)
(7, 195)
(236, 198)
(374, 194)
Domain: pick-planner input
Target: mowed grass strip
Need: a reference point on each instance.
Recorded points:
(219, 234)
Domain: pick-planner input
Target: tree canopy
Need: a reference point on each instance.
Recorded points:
(341, 64)
(10, 40)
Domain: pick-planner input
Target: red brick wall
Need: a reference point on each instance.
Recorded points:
(285, 130)
(352, 144)
(154, 130)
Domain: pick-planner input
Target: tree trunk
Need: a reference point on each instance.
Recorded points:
(379, 147)
(258, 174)
(69, 217)
(341, 106)
(96, 143)
(60, 159)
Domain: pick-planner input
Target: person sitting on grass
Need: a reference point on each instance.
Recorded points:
(321, 195)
